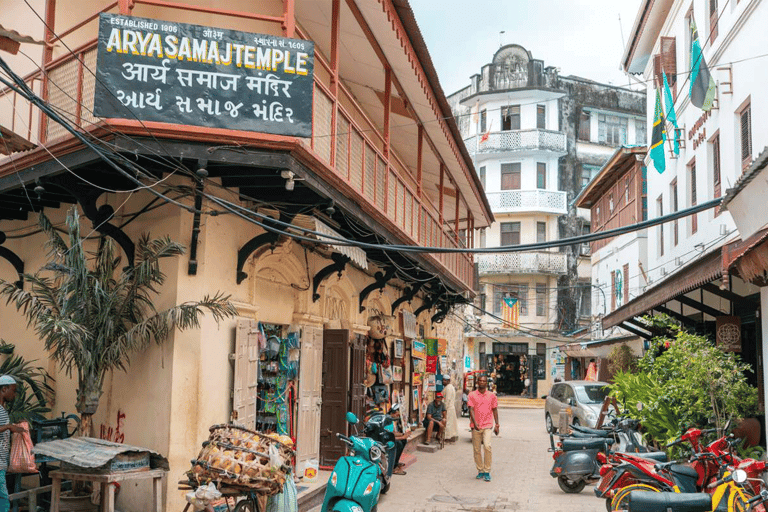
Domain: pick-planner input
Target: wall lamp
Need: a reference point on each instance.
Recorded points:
(290, 179)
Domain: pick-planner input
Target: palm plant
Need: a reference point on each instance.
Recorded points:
(33, 393)
(92, 315)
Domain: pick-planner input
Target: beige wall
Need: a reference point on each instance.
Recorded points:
(172, 393)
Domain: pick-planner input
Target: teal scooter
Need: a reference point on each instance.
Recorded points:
(357, 479)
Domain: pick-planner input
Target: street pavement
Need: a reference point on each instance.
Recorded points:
(445, 480)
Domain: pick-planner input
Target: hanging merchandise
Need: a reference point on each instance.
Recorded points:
(431, 364)
(432, 346)
(262, 337)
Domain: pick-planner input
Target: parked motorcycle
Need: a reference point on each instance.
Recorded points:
(578, 460)
(464, 405)
(358, 478)
(728, 495)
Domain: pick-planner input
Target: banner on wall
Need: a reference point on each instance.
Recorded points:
(409, 324)
(467, 363)
(442, 347)
(431, 364)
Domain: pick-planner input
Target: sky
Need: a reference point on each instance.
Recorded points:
(581, 37)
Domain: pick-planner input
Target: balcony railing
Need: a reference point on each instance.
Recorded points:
(356, 155)
(517, 140)
(522, 263)
(510, 201)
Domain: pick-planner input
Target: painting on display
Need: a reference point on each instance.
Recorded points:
(419, 366)
(416, 379)
(431, 383)
(397, 373)
(399, 349)
(431, 364)
(419, 349)
(442, 347)
(431, 346)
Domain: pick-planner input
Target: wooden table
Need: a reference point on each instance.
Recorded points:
(107, 490)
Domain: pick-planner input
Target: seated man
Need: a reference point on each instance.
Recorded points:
(435, 419)
(401, 439)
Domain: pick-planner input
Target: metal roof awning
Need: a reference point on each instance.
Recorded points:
(594, 348)
(10, 142)
(749, 258)
(356, 254)
(690, 277)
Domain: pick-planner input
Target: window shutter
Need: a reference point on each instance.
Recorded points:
(746, 135)
(669, 62)
(716, 165)
(712, 20)
(625, 284)
(657, 71)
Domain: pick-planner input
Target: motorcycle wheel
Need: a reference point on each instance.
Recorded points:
(608, 507)
(571, 487)
(384, 485)
(246, 505)
(619, 501)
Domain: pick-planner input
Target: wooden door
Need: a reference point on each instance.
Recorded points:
(335, 394)
(357, 377)
(246, 371)
(310, 394)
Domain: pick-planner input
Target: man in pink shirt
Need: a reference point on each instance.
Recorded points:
(483, 416)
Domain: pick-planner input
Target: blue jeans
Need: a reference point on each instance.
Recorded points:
(5, 503)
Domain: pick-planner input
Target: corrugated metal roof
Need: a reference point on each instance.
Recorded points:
(10, 142)
(754, 169)
(356, 254)
(89, 452)
(20, 38)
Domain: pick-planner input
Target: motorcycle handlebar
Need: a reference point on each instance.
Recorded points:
(763, 496)
(673, 443)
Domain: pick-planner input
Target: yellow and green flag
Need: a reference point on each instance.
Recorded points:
(658, 137)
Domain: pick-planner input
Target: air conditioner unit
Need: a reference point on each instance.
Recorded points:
(678, 261)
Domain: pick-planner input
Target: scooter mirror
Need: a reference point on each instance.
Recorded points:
(739, 476)
(351, 418)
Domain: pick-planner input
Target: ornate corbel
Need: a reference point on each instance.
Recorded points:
(339, 263)
(381, 280)
(252, 245)
(86, 196)
(408, 294)
(428, 304)
(13, 259)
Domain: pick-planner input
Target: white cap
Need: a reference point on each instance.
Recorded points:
(446, 377)
(7, 380)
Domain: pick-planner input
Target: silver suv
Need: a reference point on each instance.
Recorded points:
(583, 397)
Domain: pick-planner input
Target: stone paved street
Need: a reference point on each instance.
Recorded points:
(445, 480)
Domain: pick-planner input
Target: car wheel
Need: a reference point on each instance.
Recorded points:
(550, 426)
(571, 487)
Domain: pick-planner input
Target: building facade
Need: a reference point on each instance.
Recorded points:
(688, 275)
(261, 213)
(536, 138)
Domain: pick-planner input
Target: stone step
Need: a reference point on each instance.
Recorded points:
(517, 402)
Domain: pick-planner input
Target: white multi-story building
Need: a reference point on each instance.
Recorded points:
(536, 139)
(687, 274)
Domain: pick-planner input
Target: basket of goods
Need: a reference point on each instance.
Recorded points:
(238, 457)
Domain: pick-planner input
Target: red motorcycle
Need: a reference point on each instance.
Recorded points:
(626, 472)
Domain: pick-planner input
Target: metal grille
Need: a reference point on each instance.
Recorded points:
(322, 124)
(342, 144)
(391, 193)
(381, 184)
(356, 163)
(409, 213)
(401, 204)
(89, 82)
(370, 171)
(62, 95)
(522, 263)
(423, 230)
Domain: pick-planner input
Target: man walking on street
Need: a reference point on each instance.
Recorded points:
(483, 415)
(451, 422)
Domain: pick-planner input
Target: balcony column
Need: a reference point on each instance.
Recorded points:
(440, 196)
(387, 108)
(50, 20)
(125, 7)
(420, 162)
(335, 22)
(457, 220)
(289, 18)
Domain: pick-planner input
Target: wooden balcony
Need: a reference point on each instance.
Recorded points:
(347, 150)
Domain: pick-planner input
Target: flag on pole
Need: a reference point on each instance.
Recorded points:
(671, 116)
(658, 137)
(702, 89)
(484, 137)
(510, 312)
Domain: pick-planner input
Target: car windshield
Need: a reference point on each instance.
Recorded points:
(591, 394)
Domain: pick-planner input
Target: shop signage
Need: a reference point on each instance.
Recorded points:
(729, 333)
(467, 363)
(409, 324)
(152, 70)
(419, 349)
